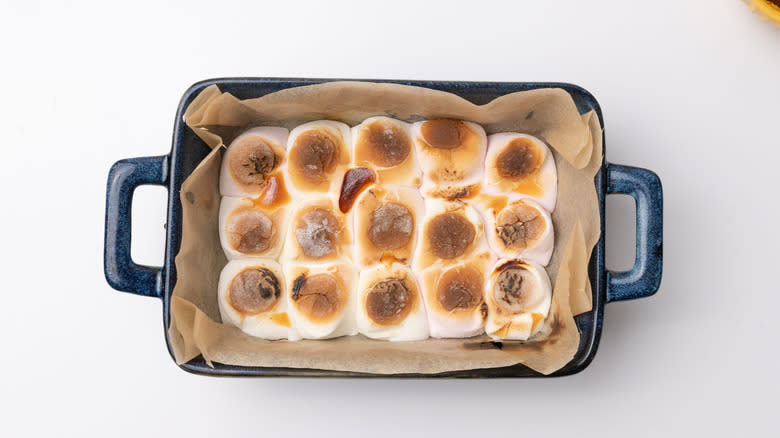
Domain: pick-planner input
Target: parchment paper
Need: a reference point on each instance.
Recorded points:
(547, 113)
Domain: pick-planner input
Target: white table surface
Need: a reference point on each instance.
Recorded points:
(690, 89)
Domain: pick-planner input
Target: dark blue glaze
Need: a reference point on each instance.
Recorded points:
(644, 278)
(121, 272)
(188, 150)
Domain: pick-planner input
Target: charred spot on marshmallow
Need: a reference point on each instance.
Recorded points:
(274, 194)
(315, 154)
(391, 226)
(514, 289)
(355, 181)
(444, 134)
(389, 301)
(317, 233)
(249, 231)
(519, 225)
(298, 285)
(385, 144)
(254, 290)
(460, 289)
(462, 192)
(519, 159)
(319, 296)
(251, 160)
(450, 235)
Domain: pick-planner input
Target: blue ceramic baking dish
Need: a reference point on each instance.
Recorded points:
(188, 150)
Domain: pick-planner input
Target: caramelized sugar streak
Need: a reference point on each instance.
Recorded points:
(274, 194)
(355, 181)
(388, 259)
(282, 319)
(536, 319)
(494, 202)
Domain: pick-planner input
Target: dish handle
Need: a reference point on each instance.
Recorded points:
(121, 272)
(644, 278)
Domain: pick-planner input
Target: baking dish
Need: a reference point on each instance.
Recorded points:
(188, 150)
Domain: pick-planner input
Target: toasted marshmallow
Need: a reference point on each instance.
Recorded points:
(384, 145)
(451, 155)
(322, 299)
(519, 228)
(523, 165)
(451, 231)
(250, 159)
(318, 155)
(318, 233)
(454, 297)
(386, 220)
(250, 297)
(518, 297)
(389, 304)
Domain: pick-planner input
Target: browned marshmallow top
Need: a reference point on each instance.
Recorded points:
(317, 233)
(254, 290)
(391, 226)
(251, 159)
(460, 289)
(449, 235)
(520, 159)
(320, 297)
(514, 289)
(249, 231)
(383, 143)
(519, 225)
(445, 134)
(315, 154)
(389, 301)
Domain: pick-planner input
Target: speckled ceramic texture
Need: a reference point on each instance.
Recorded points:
(188, 150)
